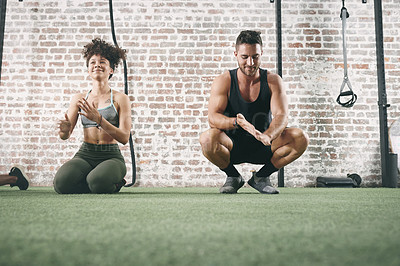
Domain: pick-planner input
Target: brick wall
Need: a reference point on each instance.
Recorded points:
(175, 49)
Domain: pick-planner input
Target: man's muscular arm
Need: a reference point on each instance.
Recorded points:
(279, 107)
(218, 102)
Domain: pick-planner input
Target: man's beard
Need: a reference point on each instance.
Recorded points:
(249, 71)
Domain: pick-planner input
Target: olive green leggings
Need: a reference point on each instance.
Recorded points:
(93, 169)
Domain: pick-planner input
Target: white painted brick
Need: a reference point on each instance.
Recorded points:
(175, 50)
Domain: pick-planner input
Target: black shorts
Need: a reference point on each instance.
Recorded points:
(247, 149)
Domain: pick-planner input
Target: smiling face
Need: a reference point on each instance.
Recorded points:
(249, 58)
(99, 67)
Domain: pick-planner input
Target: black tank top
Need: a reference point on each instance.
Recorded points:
(258, 112)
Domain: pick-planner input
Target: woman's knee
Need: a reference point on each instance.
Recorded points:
(68, 176)
(100, 185)
(105, 176)
(60, 182)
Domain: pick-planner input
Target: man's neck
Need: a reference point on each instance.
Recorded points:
(246, 80)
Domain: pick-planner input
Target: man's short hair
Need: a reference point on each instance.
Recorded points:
(249, 37)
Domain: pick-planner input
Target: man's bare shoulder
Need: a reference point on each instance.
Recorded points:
(273, 78)
(275, 82)
(222, 82)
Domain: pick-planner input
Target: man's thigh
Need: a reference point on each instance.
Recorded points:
(215, 136)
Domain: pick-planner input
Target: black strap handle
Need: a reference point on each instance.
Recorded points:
(350, 102)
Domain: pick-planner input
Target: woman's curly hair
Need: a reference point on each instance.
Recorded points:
(112, 53)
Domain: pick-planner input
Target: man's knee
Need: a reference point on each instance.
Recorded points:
(300, 137)
(210, 141)
(296, 139)
(206, 139)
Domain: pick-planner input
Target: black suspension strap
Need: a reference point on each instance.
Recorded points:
(126, 92)
(3, 10)
(350, 96)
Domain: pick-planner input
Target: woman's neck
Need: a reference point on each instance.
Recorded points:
(100, 87)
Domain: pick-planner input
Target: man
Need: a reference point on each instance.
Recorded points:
(248, 116)
(16, 177)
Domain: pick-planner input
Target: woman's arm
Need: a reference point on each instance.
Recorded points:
(67, 125)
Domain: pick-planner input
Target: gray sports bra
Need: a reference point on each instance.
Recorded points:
(109, 113)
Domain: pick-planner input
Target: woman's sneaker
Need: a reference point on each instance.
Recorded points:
(22, 179)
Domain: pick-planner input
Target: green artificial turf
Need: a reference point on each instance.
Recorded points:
(199, 226)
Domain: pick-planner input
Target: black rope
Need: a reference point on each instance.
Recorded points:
(3, 9)
(126, 92)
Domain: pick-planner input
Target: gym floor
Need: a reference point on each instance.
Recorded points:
(199, 226)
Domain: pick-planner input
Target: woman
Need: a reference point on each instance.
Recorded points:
(98, 167)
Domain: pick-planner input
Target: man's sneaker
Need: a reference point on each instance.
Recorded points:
(119, 185)
(232, 185)
(22, 179)
(262, 184)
